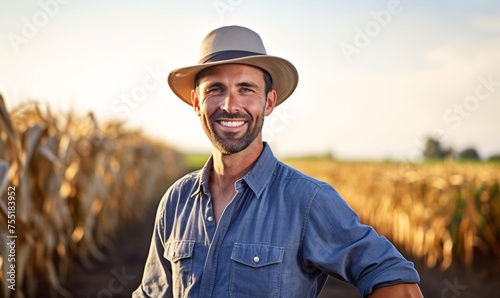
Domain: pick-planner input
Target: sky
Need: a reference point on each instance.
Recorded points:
(375, 77)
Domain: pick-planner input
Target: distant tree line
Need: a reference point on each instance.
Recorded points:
(434, 150)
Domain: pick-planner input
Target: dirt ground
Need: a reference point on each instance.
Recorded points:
(121, 273)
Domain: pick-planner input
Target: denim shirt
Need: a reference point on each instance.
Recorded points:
(282, 234)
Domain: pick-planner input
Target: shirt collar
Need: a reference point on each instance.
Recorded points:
(257, 178)
(204, 175)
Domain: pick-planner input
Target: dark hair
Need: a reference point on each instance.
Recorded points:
(268, 81)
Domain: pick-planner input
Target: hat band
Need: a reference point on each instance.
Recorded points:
(226, 55)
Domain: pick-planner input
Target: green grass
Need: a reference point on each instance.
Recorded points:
(195, 161)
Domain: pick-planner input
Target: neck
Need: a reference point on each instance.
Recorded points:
(227, 169)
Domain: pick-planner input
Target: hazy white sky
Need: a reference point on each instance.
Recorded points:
(376, 77)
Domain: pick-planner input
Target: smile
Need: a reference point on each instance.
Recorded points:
(232, 123)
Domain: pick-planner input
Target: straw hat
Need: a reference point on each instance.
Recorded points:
(234, 44)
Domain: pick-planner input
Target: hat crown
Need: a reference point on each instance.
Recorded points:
(231, 38)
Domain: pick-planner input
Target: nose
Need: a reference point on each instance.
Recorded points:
(231, 103)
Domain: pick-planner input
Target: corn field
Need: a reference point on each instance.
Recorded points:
(443, 213)
(75, 183)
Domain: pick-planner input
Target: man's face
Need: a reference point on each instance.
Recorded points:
(231, 102)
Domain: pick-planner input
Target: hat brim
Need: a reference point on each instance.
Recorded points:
(284, 75)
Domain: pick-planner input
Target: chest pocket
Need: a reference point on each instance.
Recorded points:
(255, 270)
(180, 253)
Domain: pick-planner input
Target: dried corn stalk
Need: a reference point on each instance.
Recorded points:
(442, 213)
(76, 184)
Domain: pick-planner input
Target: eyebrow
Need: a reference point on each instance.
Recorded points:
(241, 84)
(247, 84)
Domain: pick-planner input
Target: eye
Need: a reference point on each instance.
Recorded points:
(214, 90)
(244, 90)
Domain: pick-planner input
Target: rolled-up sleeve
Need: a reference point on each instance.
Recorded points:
(336, 243)
(157, 277)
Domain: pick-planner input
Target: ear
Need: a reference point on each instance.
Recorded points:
(270, 102)
(195, 100)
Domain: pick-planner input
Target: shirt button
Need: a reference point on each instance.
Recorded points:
(210, 219)
(256, 259)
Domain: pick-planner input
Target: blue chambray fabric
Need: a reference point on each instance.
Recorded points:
(281, 236)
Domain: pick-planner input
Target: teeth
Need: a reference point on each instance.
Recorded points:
(232, 123)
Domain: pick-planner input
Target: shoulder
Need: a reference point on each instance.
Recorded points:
(178, 195)
(285, 171)
(295, 184)
(189, 179)
(188, 184)
(289, 175)
(321, 195)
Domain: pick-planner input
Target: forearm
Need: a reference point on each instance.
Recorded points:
(399, 290)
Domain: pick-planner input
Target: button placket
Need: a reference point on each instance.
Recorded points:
(207, 217)
(208, 280)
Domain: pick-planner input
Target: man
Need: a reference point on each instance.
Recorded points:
(247, 225)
